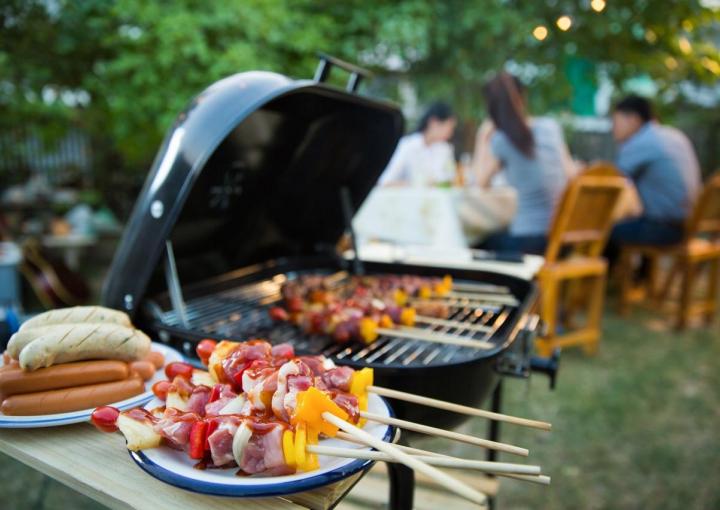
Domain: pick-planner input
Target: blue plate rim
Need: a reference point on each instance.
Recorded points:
(264, 490)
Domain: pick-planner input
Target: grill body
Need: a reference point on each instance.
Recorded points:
(262, 172)
(234, 306)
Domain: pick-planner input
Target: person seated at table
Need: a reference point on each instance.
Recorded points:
(425, 158)
(531, 153)
(661, 162)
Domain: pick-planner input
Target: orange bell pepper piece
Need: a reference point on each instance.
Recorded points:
(368, 330)
(311, 404)
(407, 316)
(400, 297)
(360, 381)
(386, 321)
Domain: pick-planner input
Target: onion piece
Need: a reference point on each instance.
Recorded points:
(235, 406)
(240, 441)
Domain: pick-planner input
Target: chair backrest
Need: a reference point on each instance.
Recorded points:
(584, 216)
(705, 217)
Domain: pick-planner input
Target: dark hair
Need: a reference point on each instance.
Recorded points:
(437, 110)
(506, 107)
(640, 106)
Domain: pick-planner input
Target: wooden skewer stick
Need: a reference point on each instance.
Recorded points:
(465, 326)
(480, 287)
(456, 436)
(505, 467)
(444, 479)
(477, 297)
(425, 335)
(540, 479)
(448, 462)
(457, 408)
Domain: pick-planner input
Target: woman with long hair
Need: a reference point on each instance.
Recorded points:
(425, 157)
(533, 157)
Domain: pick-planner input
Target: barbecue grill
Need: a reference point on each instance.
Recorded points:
(254, 185)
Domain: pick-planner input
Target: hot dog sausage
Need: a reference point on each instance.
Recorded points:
(84, 341)
(91, 314)
(156, 358)
(145, 369)
(15, 381)
(72, 399)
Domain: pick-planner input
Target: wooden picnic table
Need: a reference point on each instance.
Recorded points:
(96, 465)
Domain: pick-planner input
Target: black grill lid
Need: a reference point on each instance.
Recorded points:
(251, 170)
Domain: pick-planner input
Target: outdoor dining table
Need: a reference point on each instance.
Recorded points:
(96, 465)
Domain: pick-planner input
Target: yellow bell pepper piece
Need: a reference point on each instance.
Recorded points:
(311, 404)
(288, 442)
(300, 443)
(448, 282)
(386, 321)
(363, 406)
(368, 330)
(425, 292)
(360, 381)
(407, 316)
(400, 297)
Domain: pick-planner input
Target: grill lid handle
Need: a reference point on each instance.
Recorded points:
(357, 74)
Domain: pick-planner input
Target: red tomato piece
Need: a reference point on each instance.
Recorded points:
(212, 427)
(295, 304)
(215, 393)
(104, 418)
(279, 314)
(161, 388)
(205, 349)
(197, 440)
(179, 369)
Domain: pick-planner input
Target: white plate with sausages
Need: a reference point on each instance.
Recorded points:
(54, 420)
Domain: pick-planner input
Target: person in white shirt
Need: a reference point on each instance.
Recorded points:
(425, 158)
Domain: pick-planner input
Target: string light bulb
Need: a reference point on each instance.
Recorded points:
(540, 32)
(597, 5)
(564, 23)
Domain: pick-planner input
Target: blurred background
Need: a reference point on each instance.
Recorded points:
(88, 89)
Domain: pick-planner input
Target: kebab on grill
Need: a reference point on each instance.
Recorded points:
(358, 309)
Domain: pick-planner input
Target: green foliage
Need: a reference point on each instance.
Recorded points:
(122, 69)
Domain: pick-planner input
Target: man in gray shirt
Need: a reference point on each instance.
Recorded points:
(662, 164)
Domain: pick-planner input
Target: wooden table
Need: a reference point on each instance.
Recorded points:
(98, 466)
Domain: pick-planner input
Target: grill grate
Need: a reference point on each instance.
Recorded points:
(241, 313)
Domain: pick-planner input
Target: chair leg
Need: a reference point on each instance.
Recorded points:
(625, 275)
(712, 291)
(548, 314)
(664, 293)
(596, 301)
(652, 277)
(686, 293)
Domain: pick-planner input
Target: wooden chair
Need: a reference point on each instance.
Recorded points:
(573, 259)
(700, 246)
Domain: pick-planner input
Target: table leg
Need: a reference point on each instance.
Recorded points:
(494, 431)
(402, 486)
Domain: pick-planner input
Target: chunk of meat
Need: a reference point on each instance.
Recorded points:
(175, 427)
(285, 351)
(338, 378)
(263, 454)
(221, 440)
(198, 400)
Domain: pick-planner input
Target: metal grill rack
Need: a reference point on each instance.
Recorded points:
(241, 313)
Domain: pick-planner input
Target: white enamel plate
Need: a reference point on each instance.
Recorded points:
(54, 420)
(176, 468)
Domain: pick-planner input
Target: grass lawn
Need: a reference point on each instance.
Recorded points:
(636, 427)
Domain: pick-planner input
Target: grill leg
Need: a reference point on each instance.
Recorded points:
(402, 485)
(494, 431)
